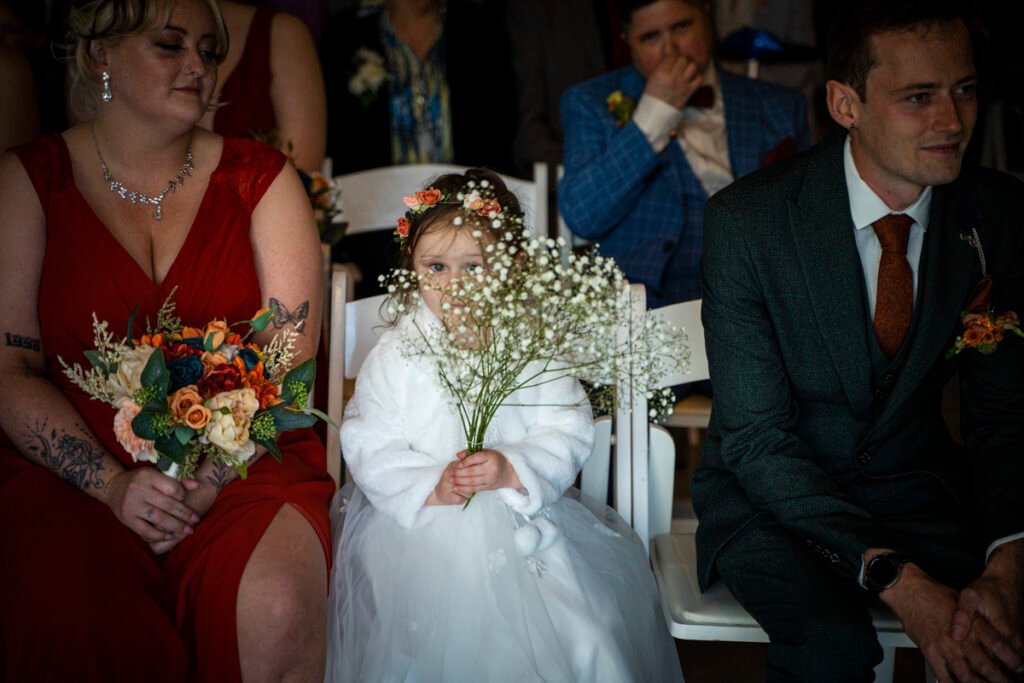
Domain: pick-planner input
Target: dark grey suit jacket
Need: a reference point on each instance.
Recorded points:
(804, 428)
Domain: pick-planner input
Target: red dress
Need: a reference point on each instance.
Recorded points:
(247, 110)
(81, 596)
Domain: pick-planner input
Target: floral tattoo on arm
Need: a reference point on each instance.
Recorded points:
(71, 456)
(220, 477)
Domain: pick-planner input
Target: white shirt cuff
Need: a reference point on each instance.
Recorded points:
(656, 119)
(1000, 541)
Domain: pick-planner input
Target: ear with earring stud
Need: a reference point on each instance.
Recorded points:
(106, 95)
(853, 127)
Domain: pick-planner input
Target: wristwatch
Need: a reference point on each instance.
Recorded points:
(883, 571)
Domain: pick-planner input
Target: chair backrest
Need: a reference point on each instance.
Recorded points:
(372, 200)
(355, 327)
(650, 478)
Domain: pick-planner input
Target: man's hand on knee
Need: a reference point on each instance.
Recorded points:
(991, 609)
(926, 608)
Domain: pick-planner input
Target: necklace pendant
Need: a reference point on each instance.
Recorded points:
(158, 213)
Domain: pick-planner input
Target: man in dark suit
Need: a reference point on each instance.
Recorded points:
(639, 168)
(829, 477)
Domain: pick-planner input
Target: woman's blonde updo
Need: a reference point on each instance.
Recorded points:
(113, 20)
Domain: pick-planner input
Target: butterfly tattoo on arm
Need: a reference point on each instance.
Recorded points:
(282, 316)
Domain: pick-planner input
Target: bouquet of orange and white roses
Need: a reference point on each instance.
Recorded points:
(187, 393)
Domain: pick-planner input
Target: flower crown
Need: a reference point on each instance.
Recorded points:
(477, 198)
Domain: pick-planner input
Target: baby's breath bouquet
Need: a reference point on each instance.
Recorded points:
(524, 319)
(184, 393)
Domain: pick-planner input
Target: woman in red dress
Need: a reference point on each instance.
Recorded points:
(111, 571)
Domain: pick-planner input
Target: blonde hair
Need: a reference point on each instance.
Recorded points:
(113, 20)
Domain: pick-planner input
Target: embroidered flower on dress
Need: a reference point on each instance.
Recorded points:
(496, 560)
(536, 567)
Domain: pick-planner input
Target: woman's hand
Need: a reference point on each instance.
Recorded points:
(485, 470)
(152, 504)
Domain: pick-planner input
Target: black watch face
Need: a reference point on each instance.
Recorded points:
(883, 572)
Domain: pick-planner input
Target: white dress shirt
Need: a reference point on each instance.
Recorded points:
(700, 133)
(866, 207)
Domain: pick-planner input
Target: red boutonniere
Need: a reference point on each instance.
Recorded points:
(984, 329)
(621, 107)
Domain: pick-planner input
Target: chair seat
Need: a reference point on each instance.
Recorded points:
(692, 411)
(716, 614)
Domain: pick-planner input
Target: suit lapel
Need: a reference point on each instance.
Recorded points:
(823, 234)
(950, 269)
(742, 125)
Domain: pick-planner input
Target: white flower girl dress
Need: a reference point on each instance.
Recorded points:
(528, 585)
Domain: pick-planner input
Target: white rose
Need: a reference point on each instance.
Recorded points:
(128, 378)
(228, 428)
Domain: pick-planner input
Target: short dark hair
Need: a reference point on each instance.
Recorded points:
(625, 8)
(849, 39)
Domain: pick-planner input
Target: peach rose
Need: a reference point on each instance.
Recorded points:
(473, 202)
(190, 332)
(212, 359)
(138, 448)
(182, 400)
(412, 201)
(197, 416)
(128, 378)
(428, 197)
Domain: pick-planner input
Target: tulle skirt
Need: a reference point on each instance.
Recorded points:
(483, 594)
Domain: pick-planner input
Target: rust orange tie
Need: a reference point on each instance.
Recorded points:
(894, 302)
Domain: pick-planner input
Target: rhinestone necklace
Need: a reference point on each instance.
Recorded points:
(138, 197)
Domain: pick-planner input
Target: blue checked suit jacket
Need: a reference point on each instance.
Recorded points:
(646, 210)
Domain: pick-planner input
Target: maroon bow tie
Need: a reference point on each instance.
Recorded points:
(702, 98)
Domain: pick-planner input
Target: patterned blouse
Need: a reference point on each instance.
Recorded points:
(421, 122)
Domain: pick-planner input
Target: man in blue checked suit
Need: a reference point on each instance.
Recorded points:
(646, 145)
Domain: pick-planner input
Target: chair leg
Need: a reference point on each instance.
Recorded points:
(884, 670)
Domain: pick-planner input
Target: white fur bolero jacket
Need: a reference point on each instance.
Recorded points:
(401, 429)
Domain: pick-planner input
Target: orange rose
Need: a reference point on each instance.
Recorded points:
(189, 332)
(197, 416)
(489, 206)
(972, 336)
(182, 400)
(212, 359)
(429, 197)
(154, 340)
(403, 227)
(998, 335)
(215, 334)
(987, 338)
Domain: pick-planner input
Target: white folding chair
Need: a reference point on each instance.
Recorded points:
(694, 411)
(690, 614)
(372, 200)
(355, 327)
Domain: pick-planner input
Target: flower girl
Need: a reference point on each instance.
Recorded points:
(525, 583)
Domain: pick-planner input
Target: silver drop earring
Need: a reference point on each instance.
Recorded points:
(107, 95)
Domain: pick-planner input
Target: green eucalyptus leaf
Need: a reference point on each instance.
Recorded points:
(287, 420)
(271, 446)
(131, 322)
(304, 372)
(96, 359)
(170, 447)
(155, 373)
(184, 434)
(142, 425)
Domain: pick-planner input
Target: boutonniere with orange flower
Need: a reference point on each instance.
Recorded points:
(184, 393)
(984, 329)
(621, 107)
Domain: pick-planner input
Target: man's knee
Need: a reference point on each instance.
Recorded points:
(834, 647)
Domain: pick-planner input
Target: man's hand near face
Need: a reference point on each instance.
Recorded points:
(674, 80)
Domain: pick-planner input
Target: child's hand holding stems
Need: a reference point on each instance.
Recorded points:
(485, 470)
